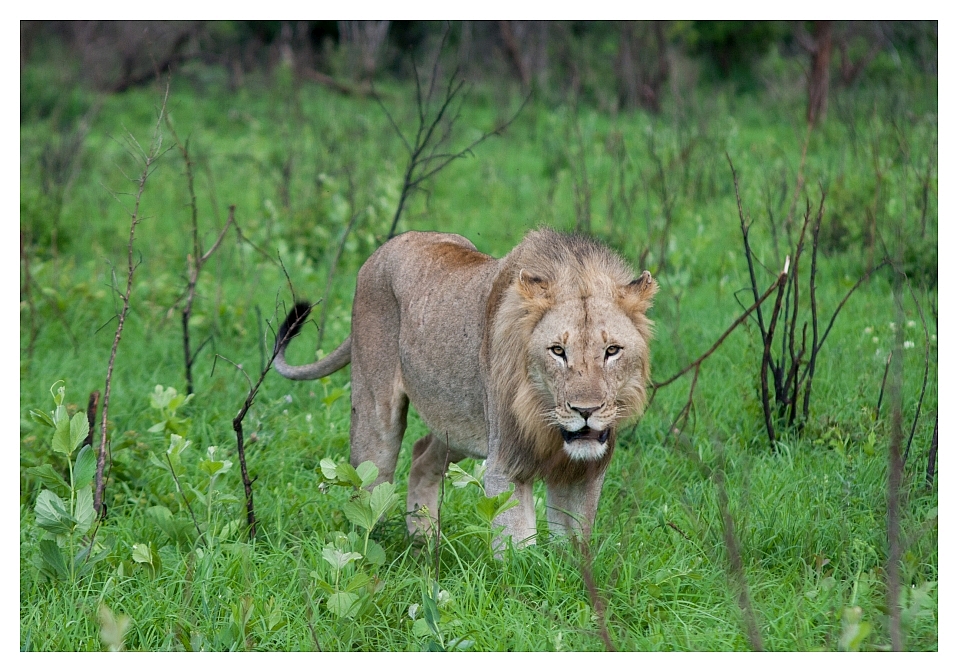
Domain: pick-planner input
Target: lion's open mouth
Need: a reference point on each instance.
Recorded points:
(585, 434)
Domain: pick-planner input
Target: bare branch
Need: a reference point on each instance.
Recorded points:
(149, 159)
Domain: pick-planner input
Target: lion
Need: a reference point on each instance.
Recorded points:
(530, 362)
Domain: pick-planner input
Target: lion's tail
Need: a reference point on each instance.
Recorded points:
(291, 326)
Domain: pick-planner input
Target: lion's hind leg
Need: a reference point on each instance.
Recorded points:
(430, 459)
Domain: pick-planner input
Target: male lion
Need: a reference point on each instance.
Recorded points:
(528, 361)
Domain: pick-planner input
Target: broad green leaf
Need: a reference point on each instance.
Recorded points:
(143, 554)
(41, 417)
(160, 398)
(214, 468)
(337, 558)
(163, 518)
(178, 400)
(357, 582)
(85, 467)
(342, 604)
(79, 429)
(52, 515)
(85, 514)
(61, 435)
(333, 396)
(367, 472)
(51, 560)
(177, 445)
(328, 589)
(383, 499)
(345, 472)
(461, 478)
(375, 555)
(420, 629)
(490, 507)
(329, 468)
(50, 479)
(158, 427)
(358, 512)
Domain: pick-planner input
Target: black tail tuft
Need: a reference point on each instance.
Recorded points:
(292, 324)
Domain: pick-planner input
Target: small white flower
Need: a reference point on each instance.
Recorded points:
(443, 597)
(908, 345)
(934, 338)
(413, 610)
(910, 324)
(891, 325)
(874, 339)
(869, 330)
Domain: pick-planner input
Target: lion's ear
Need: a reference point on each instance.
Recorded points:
(637, 295)
(531, 286)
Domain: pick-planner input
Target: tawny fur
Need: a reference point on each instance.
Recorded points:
(467, 339)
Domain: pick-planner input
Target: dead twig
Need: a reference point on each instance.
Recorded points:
(736, 566)
(598, 604)
(195, 260)
(881, 392)
(295, 322)
(426, 156)
(932, 457)
(149, 158)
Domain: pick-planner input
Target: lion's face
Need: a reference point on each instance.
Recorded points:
(588, 363)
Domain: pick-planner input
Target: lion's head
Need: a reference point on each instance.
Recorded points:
(570, 350)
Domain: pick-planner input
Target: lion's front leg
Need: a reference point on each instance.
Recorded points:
(571, 507)
(518, 522)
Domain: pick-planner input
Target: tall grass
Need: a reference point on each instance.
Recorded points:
(809, 517)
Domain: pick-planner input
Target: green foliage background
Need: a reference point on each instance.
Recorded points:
(299, 162)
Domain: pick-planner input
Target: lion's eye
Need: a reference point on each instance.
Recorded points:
(558, 351)
(612, 351)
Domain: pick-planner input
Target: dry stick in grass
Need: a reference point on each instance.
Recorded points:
(924, 379)
(26, 291)
(585, 568)
(778, 284)
(932, 457)
(148, 157)
(91, 407)
(442, 496)
(736, 567)
(195, 260)
(425, 157)
(884, 378)
(289, 330)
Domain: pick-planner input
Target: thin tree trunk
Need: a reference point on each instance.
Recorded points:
(819, 75)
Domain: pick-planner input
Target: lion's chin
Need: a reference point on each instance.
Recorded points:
(585, 450)
(585, 444)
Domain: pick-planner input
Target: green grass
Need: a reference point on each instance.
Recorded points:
(810, 518)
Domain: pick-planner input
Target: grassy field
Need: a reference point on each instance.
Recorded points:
(687, 518)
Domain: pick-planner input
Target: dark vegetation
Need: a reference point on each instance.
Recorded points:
(780, 181)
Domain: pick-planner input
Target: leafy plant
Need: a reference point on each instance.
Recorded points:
(210, 469)
(487, 507)
(167, 401)
(64, 511)
(351, 582)
(432, 622)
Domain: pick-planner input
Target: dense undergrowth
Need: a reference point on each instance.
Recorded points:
(304, 166)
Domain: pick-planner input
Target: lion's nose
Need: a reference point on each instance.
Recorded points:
(586, 411)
